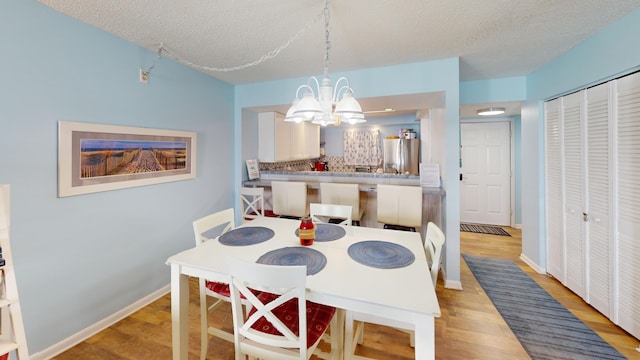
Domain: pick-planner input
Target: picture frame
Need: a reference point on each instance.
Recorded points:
(253, 171)
(99, 157)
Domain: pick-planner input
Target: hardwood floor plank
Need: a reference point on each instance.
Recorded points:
(470, 326)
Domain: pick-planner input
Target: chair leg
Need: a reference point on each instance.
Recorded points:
(360, 332)
(337, 334)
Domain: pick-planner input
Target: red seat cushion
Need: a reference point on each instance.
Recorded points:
(218, 288)
(222, 289)
(269, 213)
(318, 318)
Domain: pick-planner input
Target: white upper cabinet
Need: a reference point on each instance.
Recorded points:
(279, 140)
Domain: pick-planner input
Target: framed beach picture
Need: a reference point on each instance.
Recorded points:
(96, 157)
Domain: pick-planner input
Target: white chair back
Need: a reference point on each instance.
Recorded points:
(223, 219)
(344, 194)
(433, 248)
(282, 283)
(289, 198)
(331, 211)
(400, 205)
(252, 203)
(203, 229)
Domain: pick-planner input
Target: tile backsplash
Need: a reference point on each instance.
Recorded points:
(334, 163)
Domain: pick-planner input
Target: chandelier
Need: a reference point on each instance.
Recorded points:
(327, 108)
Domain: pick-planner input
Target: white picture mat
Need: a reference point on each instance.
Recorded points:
(69, 182)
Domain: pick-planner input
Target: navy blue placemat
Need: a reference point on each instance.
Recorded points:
(328, 232)
(244, 236)
(381, 254)
(292, 256)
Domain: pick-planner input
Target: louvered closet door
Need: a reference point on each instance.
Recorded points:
(598, 199)
(553, 166)
(628, 203)
(573, 167)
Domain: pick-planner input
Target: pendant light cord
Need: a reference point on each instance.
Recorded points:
(269, 55)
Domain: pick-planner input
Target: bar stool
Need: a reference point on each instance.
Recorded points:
(289, 199)
(344, 194)
(252, 202)
(400, 207)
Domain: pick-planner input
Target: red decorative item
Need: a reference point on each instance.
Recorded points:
(307, 231)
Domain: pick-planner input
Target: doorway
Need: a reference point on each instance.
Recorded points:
(485, 173)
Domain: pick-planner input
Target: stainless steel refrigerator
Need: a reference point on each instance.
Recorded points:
(402, 156)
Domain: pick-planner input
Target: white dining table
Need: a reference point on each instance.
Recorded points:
(404, 294)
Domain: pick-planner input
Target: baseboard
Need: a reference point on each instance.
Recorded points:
(532, 264)
(450, 284)
(79, 337)
(453, 285)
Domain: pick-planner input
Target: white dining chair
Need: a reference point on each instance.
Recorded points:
(399, 207)
(269, 330)
(354, 331)
(289, 198)
(252, 202)
(344, 194)
(219, 222)
(323, 213)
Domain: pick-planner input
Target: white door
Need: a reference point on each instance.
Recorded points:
(627, 198)
(485, 189)
(554, 190)
(598, 195)
(573, 160)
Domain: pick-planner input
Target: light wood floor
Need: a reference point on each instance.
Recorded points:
(470, 327)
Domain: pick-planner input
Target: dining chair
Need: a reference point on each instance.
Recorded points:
(252, 199)
(290, 198)
(321, 212)
(204, 229)
(354, 332)
(344, 194)
(272, 328)
(399, 207)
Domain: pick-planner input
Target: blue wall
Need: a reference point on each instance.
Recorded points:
(81, 259)
(493, 90)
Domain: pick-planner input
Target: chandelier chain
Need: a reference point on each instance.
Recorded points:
(326, 37)
(269, 55)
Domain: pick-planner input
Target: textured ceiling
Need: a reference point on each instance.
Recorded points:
(493, 38)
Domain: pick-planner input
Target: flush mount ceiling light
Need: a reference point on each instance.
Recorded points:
(386, 110)
(327, 108)
(491, 111)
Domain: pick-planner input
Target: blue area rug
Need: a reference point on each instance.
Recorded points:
(544, 327)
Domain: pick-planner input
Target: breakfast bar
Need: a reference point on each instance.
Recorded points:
(433, 197)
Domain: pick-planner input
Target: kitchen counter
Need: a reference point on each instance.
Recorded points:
(366, 180)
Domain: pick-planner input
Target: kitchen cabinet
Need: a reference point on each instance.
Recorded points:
(312, 143)
(279, 140)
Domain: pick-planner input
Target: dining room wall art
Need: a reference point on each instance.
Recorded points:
(98, 157)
